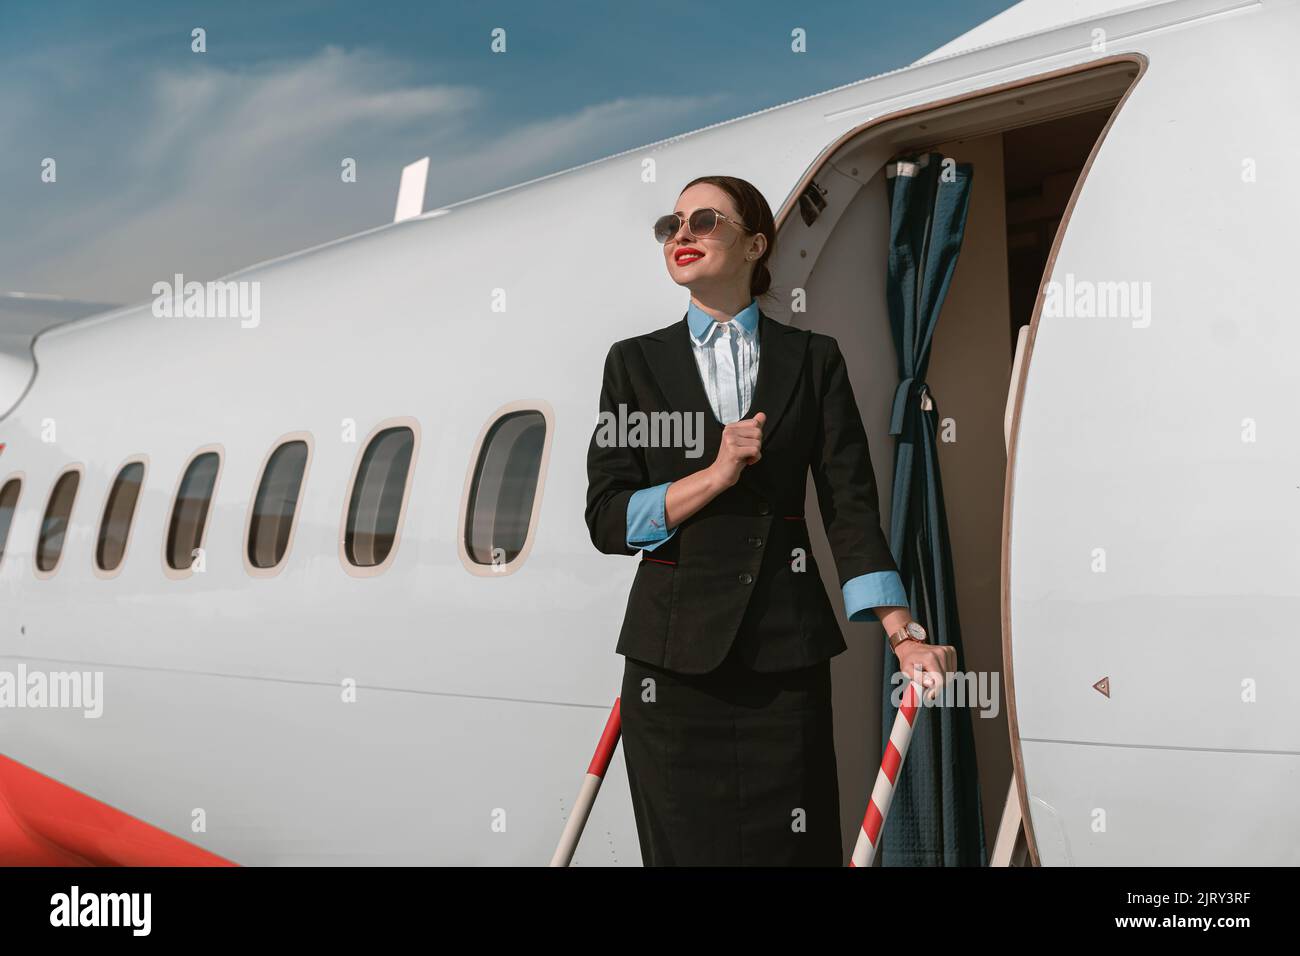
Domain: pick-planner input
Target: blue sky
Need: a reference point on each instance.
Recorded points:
(172, 161)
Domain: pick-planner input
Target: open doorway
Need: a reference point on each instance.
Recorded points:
(1030, 146)
(1040, 166)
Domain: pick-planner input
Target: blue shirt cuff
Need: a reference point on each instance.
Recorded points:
(647, 528)
(869, 591)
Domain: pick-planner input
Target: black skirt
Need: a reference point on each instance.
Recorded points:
(732, 768)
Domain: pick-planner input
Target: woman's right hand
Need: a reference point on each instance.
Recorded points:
(742, 445)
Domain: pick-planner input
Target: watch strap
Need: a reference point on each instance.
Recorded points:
(901, 636)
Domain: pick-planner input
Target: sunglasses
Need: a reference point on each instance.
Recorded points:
(701, 223)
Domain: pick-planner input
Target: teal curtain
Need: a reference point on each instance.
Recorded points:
(935, 818)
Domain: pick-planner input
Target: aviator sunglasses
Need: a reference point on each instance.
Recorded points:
(701, 223)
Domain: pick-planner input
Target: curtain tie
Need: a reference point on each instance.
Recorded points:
(907, 388)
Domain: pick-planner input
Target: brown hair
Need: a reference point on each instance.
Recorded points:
(756, 214)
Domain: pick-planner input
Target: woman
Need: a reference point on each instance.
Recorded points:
(728, 633)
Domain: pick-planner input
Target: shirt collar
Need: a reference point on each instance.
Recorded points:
(701, 323)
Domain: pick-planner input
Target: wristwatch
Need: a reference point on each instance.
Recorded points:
(912, 632)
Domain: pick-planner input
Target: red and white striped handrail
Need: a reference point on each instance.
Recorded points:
(883, 792)
(590, 787)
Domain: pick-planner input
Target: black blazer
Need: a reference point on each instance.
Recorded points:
(726, 576)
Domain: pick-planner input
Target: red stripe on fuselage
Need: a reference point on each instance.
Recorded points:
(45, 823)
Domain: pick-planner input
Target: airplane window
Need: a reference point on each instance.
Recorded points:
(49, 546)
(275, 504)
(8, 504)
(190, 512)
(115, 526)
(505, 483)
(377, 495)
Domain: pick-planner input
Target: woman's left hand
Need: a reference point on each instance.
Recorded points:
(928, 664)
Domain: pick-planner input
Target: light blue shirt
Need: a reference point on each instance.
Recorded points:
(726, 354)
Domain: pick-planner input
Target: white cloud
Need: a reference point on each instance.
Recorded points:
(212, 168)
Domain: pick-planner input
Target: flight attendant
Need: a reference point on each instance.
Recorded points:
(728, 633)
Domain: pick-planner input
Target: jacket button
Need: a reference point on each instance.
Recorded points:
(756, 542)
(746, 578)
(764, 508)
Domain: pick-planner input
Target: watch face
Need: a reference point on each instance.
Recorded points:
(916, 630)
